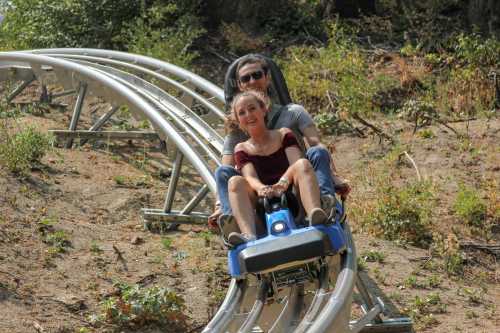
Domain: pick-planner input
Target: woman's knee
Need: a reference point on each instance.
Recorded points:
(236, 183)
(303, 165)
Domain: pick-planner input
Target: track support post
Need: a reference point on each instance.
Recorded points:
(82, 91)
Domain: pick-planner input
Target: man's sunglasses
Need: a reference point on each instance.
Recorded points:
(255, 75)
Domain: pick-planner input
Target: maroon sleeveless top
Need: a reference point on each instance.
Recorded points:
(269, 168)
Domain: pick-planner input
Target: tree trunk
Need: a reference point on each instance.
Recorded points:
(247, 13)
(347, 8)
(485, 14)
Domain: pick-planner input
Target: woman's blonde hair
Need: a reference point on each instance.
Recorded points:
(231, 123)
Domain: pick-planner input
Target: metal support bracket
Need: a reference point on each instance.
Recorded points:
(82, 90)
(19, 89)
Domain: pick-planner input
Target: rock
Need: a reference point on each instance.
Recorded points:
(72, 302)
(136, 240)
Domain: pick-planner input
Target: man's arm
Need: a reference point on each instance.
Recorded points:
(228, 159)
(311, 136)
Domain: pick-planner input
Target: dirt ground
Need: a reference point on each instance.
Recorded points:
(95, 197)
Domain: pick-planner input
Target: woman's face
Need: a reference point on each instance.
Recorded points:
(249, 113)
(253, 77)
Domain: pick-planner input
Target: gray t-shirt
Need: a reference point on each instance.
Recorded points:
(292, 116)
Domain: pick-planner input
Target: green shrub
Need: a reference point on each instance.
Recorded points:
(137, 307)
(163, 29)
(120, 180)
(20, 151)
(464, 88)
(449, 250)
(238, 40)
(167, 243)
(333, 78)
(477, 51)
(373, 256)
(422, 310)
(77, 23)
(164, 32)
(470, 207)
(402, 213)
(58, 240)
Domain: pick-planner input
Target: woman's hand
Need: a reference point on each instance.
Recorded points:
(281, 186)
(265, 191)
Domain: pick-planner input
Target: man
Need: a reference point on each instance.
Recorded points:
(252, 73)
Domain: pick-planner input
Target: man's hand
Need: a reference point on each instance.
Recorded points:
(212, 220)
(342, 186)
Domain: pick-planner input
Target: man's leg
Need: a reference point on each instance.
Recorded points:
(222, 176)
(320, 160)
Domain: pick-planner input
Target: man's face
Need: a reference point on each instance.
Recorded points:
(253, 77)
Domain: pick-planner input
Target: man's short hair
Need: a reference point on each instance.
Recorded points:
(251, 59)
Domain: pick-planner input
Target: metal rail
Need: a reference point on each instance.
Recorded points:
(126, 79)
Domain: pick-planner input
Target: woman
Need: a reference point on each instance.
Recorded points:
(269, 162)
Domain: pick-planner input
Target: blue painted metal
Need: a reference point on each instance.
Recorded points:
(334, 231)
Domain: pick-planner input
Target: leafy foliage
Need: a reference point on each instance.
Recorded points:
(422, 310)
(396, 211)
(78, 23)
(163, 29)
(331, 79)
(470, 207)
(404, 213)
(465, 88)
(449, 250)
(238, 40)
(137, 307)
(20, 151)
(476, 51)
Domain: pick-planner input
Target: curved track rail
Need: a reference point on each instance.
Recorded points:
(186, 111)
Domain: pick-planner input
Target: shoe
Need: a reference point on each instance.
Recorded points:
(328, 204)
(235, 238)
(317, 216)
(227, 224)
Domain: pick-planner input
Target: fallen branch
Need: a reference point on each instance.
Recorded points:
(118, 253)
(461, 120)
(448, 127)
(330, 101)
(424, 258)
(38, 327)
(493, 249)
(373, 127)
(211, 50)
(413, 163)
(120, 257)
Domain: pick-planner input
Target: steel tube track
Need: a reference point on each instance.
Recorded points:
(132, 98)
(195, 132)
(329, 308)
(172, 106)
(154, 64)
(142, 70)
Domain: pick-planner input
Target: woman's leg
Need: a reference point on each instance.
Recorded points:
(305, 179)
(242, 199)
